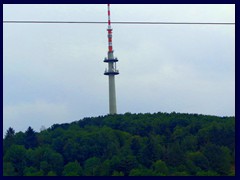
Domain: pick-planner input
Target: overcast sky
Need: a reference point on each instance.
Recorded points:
(53, 73)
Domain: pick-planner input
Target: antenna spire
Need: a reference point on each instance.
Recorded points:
(109, 31)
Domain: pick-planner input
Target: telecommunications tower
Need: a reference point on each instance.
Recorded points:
(111, 71)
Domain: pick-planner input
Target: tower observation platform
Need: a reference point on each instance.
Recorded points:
(112, 69)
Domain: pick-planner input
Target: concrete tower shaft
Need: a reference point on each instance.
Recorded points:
(112, 70)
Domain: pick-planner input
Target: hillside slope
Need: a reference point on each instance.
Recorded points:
(159, 144)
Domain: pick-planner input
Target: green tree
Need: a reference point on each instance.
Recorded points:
(179, 133)
(8, 169)
(104, 168)
(31, 138)
(20, 138)
(10, 132)
(51, 173)
(45, 167)
(116, 173)
(91, 166)
(198, 159)
(70, 150)
(58, 144)
(44, 137)
(175, 154)
(31, 171)
(219, 158)
(47, 158)
(160, 167)
(16, 155)
(9, 139)
(114, 164)
(56, 161)
(151, 151)
(127, 164)
(191, 168)
(30, 158)
(72, 169)
(189, 143)
(135, 145)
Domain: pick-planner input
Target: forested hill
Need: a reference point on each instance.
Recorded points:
(159, 144)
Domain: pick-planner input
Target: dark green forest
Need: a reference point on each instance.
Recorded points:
(159, 144)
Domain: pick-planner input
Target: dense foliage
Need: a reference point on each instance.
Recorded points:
(159, 144)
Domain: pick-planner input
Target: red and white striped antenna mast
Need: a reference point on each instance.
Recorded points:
(109, 31)
(112, 70)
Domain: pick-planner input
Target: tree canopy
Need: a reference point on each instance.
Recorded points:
(159, 144)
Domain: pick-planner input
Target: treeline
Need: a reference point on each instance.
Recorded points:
(159, 144)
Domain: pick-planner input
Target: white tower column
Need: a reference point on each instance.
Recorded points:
(112, 95)
(111, 71)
